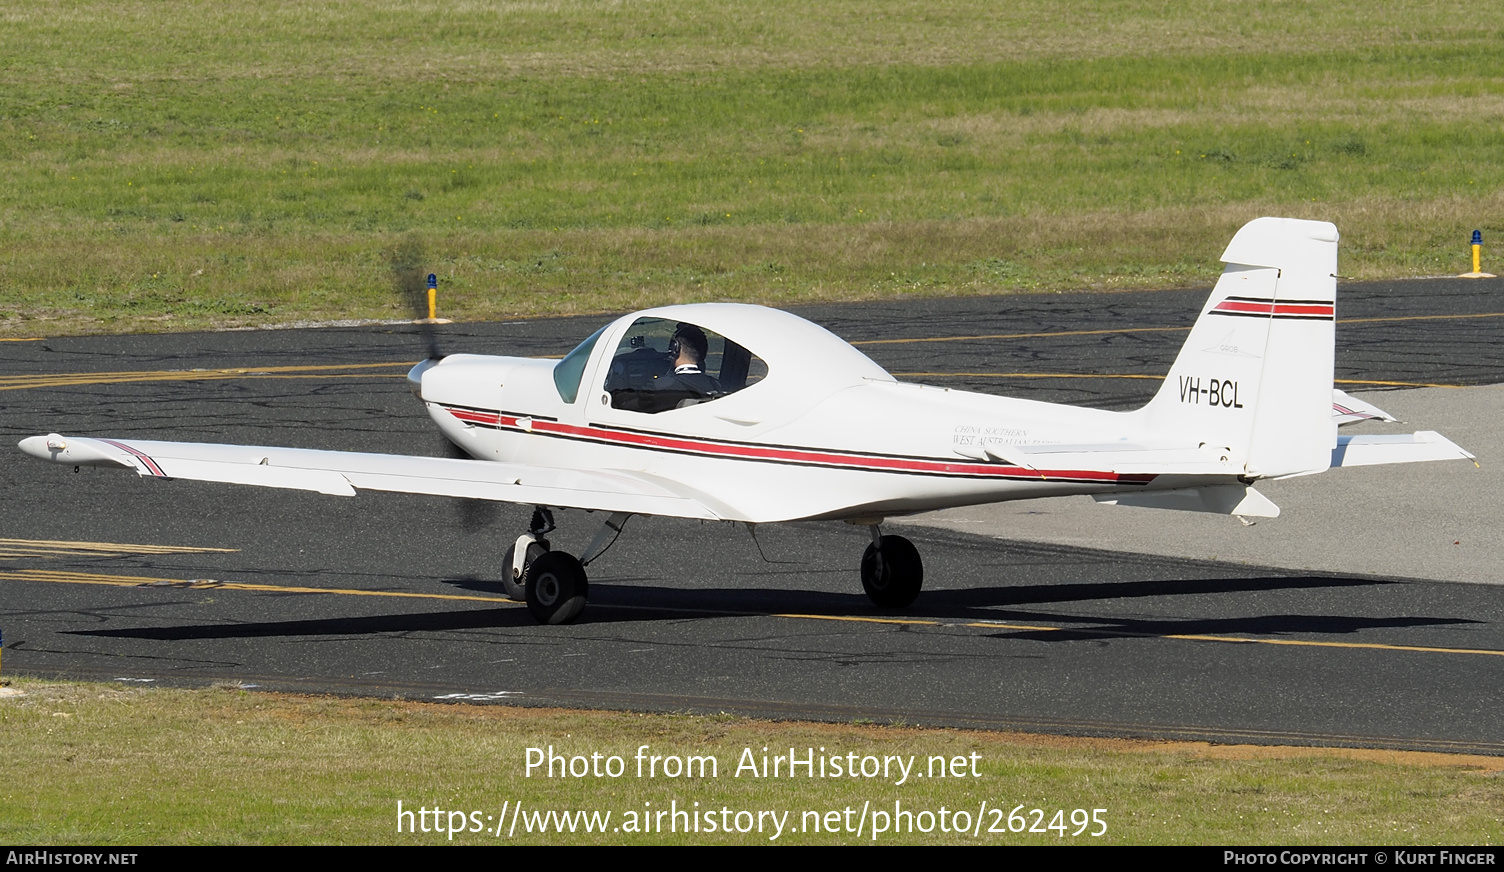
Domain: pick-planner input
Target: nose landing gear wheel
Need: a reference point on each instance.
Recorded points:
(556, 588)
(892, 572)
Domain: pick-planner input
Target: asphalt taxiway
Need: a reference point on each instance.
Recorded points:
(1342, 622)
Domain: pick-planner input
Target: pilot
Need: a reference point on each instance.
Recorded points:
(688, 380)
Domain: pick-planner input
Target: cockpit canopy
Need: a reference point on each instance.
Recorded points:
(678, 356)
(664, 363)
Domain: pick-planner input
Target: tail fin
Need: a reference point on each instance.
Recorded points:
(1255, 376)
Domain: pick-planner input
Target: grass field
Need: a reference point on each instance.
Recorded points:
(174, 165)
(103, 764)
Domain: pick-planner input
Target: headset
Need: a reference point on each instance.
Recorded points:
(691, 336)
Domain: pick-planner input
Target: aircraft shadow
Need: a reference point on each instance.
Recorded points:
(991, 597)
(365, 626)
(628, 603)
(1256, 625)
(958, 603)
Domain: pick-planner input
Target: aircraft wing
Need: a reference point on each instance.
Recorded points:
(342, 473)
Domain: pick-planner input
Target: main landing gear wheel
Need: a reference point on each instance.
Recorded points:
(892, 572)
(513, 581)
(556, 588)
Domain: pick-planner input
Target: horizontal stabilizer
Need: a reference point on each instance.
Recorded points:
(1122, 458)
(1347, 409)
(1404, 448)
(1222, 499)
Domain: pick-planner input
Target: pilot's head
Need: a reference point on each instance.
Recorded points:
(690, 341)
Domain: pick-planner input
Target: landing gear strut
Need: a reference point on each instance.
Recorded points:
(892, 572)
(531, 545)
(553, 582)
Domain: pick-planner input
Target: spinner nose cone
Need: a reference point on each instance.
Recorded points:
(415, 375)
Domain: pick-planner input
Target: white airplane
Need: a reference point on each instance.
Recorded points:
(742, 413)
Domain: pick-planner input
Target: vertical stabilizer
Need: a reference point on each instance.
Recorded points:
(1255, 375)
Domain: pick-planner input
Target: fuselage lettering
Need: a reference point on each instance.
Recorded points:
(1221, 393)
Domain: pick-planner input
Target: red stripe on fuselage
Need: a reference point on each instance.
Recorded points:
(808, 456)
(471, 417)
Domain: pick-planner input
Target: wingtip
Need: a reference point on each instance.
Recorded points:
(43, 447)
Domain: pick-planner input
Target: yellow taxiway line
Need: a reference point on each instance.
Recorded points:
(1029, 628)
(920, 339)
(1390, 318)
(1393, 384)
(53, 547)
(23, 382)
(1114, 330)
(135, 581)
(212, 584)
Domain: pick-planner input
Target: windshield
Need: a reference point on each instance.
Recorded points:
(569, 371)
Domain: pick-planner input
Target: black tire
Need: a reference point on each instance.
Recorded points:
(556, 588)
(894, 581)
(515, 586)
